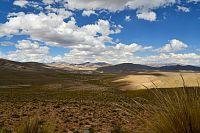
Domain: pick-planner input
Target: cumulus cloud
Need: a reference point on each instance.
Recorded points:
(53, 30)
(48, 1)
(111, 5)
(173, 46)
(89, 7)
(112, 54)
(28, 51)
(150, 16)
(91, 42)
(186, 59)
(59, 11)
(115, 5)
(21, 3)
(183, 9)
(145, 7)
(88, 13)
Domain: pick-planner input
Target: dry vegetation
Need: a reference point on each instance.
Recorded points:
(74, 103)
(176, 112)
(161, 79)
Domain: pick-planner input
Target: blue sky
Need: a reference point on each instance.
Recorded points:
(115, 31)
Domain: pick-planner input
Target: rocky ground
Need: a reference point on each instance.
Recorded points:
(72, 116)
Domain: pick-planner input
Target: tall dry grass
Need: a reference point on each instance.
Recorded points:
(175, 111)
(34, 126)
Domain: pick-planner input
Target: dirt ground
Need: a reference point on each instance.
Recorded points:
(70, 117)
(76, 103)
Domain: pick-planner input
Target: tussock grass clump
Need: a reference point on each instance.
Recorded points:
(33, 126)
(4, 130)
(117, 129)
(175, 112)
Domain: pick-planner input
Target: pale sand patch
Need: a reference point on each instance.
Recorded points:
(165, 80)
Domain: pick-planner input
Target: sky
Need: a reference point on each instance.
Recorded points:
(112, 31)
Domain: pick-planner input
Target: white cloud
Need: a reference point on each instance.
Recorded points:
(51, 29)
(87, 42)
(112, 54)
(48, 1)
(89, 7)
(21, 3)
(88, 13)
(144, 7)
(183, 9)
(186, 59)
(127, 18)
(173, 46)
(28, 51)
(59, 11)
(33, 51)
(123, 53)
(115, 5)
(6, 43)
(150, 16)
(111, 5)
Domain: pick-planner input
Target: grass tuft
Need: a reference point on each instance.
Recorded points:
(4, 130)
(33, 126)
(117, 129)
(175, 112)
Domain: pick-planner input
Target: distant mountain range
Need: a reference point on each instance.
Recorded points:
(129, 67)
(87, 66)
(90, 64)
(102, 67)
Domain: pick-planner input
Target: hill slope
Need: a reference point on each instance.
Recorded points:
(128, 67)
(12, 72)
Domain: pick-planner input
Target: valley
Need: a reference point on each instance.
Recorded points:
(81, 100)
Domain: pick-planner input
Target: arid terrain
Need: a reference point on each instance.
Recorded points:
(80, 102)
(144, 80)
(77, 103)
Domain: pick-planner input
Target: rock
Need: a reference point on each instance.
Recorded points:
(15, 116)
(57, 106)
(86, 131)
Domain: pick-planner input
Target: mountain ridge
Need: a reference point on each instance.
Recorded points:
(129, 67)
(101, 67)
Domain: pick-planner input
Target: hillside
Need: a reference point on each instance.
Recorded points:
(12, 72)
(129, 67)
(87, 66)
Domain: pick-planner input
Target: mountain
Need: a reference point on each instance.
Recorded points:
(97, 64)
(129, 67)
(125, 67)
(161, 64)
(12, 72)
(87, 66)
(26, 66)
(179, 68)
